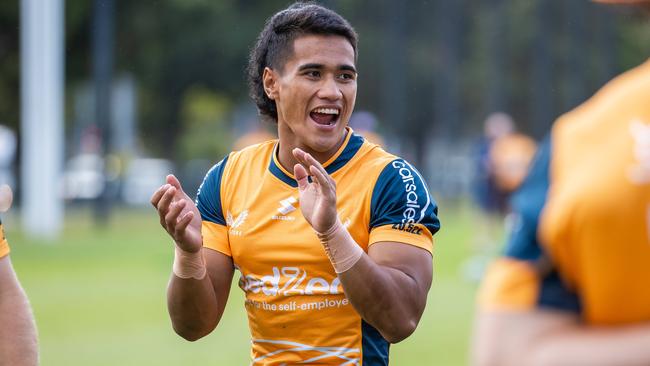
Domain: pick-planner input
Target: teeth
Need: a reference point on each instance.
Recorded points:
(327, 111)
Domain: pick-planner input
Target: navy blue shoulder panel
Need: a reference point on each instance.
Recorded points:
(208, 197)
(401, 197)
(353, 145)
(527, 204)
(375, 347)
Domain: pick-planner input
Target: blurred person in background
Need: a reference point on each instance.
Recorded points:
(490, 199)
(502, 159)
(364, 123)
(254, 132)
(332, 235)
(18, 339)
(572, 285)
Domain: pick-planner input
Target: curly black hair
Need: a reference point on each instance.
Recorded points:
(275, 45)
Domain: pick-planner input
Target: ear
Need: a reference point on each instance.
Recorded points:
(270, 83)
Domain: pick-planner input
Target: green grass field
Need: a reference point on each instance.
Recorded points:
(99, 298)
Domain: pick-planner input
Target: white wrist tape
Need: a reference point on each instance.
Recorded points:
(189, 265)
(341, 249)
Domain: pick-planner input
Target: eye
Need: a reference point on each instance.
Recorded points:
(312, 73)
(347, 76)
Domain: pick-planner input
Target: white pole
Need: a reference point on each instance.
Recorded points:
(42, 74)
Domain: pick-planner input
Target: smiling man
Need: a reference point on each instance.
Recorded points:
(332, 235)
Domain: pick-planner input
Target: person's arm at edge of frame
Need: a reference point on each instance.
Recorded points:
(200, 282)
(548, 337)
(18, 336)
(388, 286)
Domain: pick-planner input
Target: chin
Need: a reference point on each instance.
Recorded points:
(324, 144)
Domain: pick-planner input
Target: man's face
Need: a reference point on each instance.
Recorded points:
(315, 92)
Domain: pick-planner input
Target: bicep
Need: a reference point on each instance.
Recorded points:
(412, 261)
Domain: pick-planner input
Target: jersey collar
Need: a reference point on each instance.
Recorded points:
(348, 149)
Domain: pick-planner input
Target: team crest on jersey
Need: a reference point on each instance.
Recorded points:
(234, 223)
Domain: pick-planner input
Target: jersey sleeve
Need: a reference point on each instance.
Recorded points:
(524, 276)
(208, 201)
(4, 245)
(401, 208)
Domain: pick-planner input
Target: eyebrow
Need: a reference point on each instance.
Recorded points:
(321, 66)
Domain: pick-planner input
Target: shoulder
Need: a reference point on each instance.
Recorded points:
(261, 151)
(624, 98)
(371, 156)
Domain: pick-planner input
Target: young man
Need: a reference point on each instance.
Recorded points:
(572, 286)
(331, 234)
(18, 341)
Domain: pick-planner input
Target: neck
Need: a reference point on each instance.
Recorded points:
(288, 142)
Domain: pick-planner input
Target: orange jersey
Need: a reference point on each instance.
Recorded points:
(297, 310)
(582, 239)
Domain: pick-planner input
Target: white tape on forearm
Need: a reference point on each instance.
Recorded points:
(189, 265)
(340, 247)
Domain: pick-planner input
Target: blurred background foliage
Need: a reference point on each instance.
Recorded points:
(430, 70)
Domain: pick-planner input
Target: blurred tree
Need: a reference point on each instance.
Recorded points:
(422, 63)
(204, 115)
(9, 66)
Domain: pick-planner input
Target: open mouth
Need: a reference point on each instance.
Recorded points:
(325, 116)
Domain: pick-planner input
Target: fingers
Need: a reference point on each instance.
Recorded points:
(166, 199)
(299, 154)
(171, 218)
(171, 179)
(311, 161)
(174, 182)
(182, 223)
(322, 180)
(307, 160)
(157, 195)
(301, 175)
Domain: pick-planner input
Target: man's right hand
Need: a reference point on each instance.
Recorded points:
(178, 215)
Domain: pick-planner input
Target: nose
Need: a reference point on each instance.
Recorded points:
(329, 89)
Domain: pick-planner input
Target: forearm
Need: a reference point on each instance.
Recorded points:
(386, 298)
(552, 338)
(194, 307)
(18, 338)
(581, 345)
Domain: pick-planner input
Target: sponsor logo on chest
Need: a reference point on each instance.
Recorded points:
(287, 206)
